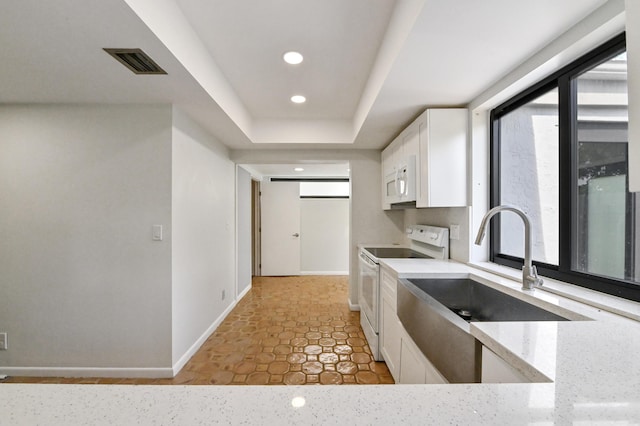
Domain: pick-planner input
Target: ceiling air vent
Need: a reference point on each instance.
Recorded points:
(136, 60)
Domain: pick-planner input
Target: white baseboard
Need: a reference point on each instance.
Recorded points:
(132, 373)
(324, 273)
(243, 293)
(203, 338)
(353, 307)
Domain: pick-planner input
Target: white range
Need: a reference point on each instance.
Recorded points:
(428, 242)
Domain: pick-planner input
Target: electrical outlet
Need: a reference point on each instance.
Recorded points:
(454, 232)
(3, 341)
(223, 295)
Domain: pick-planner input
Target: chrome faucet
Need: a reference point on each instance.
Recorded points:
(530, 278)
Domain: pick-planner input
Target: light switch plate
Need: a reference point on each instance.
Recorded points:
(454, 232)
(3, 341)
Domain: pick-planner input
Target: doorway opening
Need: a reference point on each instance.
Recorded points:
(300, 219)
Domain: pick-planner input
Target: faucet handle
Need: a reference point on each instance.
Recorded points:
(530, 278)
(534, 274)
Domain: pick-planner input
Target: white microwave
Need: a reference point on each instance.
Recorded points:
(400, 184)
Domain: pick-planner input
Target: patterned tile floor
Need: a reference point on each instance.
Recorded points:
(286, 330)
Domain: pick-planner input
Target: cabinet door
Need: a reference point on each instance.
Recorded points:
(432, 375)
(414, 366)
(385, 164)
(388, 283)
(390, 336)
(412, 369)
(410, 141)
(443, 158)
(411, 147)
(395, 155)
(389, 161)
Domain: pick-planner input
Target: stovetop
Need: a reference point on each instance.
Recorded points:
(396, 253)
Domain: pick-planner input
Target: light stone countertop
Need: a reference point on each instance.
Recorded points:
(594, 367)
(331, 405)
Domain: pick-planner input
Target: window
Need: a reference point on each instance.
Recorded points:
(529, 176)
(559, 152)
(325, 189)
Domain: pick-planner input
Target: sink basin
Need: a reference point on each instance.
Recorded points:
(437, 314)
(473, 301)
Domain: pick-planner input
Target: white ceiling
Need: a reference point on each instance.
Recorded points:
(339, 40)
(370, 66)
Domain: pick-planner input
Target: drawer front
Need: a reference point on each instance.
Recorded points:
(388, 284)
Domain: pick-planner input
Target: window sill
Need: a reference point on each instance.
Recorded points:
(616, 305)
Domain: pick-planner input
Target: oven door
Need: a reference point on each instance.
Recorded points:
(369, 289)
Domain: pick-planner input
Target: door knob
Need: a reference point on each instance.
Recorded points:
(296, 235)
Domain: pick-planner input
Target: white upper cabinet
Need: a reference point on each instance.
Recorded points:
(391, 157)
(438, 140)
(410, 141)
(394, 154)
(443, 158)
(386, 163)
(632, 10)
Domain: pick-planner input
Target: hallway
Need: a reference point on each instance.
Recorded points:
(287, 330)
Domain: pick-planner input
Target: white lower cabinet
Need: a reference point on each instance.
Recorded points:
(391, 336)
(404, 359)
(497, 370)
(432, 375)
(415, 367)
(412, 369)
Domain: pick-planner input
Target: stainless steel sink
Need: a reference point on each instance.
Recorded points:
(473, 301)
(436, 313)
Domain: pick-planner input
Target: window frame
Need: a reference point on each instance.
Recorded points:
(564, 81)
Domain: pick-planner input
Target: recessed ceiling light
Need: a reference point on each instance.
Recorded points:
(293, 58)
(298, 169)
(298, 99)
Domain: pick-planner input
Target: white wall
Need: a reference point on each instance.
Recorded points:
(324, 236)
(243, 215)
(83, 284)
(203, 220)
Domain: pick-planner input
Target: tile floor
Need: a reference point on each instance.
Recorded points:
(286, 330)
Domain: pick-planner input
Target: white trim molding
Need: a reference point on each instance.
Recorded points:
(324, 273)
(128, 373)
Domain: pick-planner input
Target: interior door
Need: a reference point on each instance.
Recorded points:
(280, 202)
